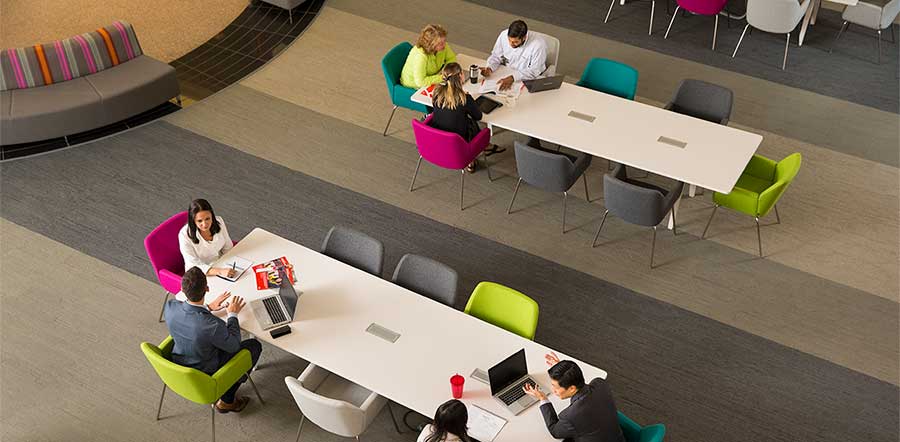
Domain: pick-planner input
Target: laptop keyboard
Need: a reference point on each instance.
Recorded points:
(515, 393)
(276, 313)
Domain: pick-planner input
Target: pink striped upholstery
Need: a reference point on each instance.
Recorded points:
(68, 59)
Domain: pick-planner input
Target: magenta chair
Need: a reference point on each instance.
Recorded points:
(700, 7)
(162, 249)
(448, 150)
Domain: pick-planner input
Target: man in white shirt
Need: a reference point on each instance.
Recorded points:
(525, 53)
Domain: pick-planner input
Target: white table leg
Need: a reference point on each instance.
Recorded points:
(692, 190)
(674, 208)
(815, 15)
(622, 2)
(806, 19)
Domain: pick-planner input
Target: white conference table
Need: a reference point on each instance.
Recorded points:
(713, 156)
(338, 302)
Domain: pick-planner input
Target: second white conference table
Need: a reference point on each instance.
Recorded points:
(338, 303)
(673, 145)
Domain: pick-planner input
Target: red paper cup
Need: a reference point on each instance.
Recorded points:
(456, 385)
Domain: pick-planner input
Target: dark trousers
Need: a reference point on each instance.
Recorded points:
(255, 349)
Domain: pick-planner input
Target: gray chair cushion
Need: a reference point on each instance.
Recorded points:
(550, 171)
(354, 248)
(285, 4)
(134, 87)
(637, 202)
(427, 277)
(45, 112)
(5, 116)
(706, 101)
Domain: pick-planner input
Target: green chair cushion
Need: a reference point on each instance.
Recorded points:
(761, 185)
(504, 307)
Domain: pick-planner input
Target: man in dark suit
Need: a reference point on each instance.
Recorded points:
(205, 342)
(590, 417)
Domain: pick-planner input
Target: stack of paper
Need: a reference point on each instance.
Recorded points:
(484, 425)
(490, 85)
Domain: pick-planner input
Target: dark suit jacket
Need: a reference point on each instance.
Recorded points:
(591, 416)
(202, 341)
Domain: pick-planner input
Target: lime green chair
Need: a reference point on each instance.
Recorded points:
(636, 433)
(504, 307)
(758, 189)
(195, 385)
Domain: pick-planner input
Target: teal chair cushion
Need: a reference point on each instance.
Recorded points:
(610, 77)
(391, 66)
(635, 433)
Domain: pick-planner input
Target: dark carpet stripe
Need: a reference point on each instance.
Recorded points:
(706, 381)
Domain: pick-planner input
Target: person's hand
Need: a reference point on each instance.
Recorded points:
(225, 272)
(551, 358)
(236, 305)
(216, 304)
(486, 71)
(506, 83)
(534, 391)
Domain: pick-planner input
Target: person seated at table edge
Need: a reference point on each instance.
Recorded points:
(590, 417)
(205, 342)
(525, 53)
(204, 239)
(450, 424)
(426, 59)
(454, 109)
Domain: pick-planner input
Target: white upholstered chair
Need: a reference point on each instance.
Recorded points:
(552, 53)
(775, 16)
(870, 16)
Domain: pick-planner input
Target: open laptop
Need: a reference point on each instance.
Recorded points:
(276, 310)
(507, 379)
(544, 84)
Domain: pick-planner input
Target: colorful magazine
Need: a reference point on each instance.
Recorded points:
(267, 273)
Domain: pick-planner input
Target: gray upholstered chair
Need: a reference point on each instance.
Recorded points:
(550, 171)
(334, 403)
(706, 101)
(355, 248)
(870, 16)
(427, 277)
(286, 4)
(775, 16)
(638, 202)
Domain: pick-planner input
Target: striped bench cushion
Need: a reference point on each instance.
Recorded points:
(63, 60)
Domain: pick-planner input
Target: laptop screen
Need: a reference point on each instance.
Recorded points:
(287, 293)
(505, 373)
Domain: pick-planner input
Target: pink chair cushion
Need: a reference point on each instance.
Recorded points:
(447, 149)
(703, 7)
(162, 250)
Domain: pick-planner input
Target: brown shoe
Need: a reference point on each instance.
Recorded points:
(235, 407)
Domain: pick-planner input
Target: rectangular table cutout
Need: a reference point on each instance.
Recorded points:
(581, 116)
(383, 332)
(672, 142)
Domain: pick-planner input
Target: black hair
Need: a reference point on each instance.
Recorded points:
(193, 284)
(567, 374)
(517, 29)
(450, 417)
(200, 205)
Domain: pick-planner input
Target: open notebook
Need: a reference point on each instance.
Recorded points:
(240, 266)
(483, 425)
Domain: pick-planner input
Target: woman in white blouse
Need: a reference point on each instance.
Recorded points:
(204, 239)
(450, 421)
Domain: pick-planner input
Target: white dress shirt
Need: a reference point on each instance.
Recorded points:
(427, 432)
(527, 61)
(204, 253)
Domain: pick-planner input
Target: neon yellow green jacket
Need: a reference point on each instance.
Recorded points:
(422, 69)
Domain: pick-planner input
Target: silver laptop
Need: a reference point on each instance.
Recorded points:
(507, 379)
(544, 84)
(276, 310)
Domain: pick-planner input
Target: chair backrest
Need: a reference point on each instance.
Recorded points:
(444, 149)
(162, 248)
(189, 383)
(633, 203)
(703, 7)
(427, 277)
(504, 307)
(611, 77)
(635, 433)
(552, 53)
(776, 16)
(549, 171)
(706, 101)
(335, 416)
(392, 65)
(889, 13)
(355, 248)
(785, 172)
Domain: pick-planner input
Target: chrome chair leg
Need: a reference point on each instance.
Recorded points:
(487, 165)
(613, 2)
(587, 196)
(300, 427)
(671, 21)
(462, 187)
(163, 309)
(602, 221)
(893, 37)
(565, 199)
(393, 418)
(652, 247)
(777, 218)
(674, 223)
(253, 384)
(413, 183)
(787, 43)
(212, 409)
(161, 397)
(740, 40)
(708, 222)
(844, 27)
(758, 236)
(879, 45)
(515, 192)
(715, 32)
(652, 13)
(386, 126)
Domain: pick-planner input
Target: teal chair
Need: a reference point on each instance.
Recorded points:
(504, 307)
(392, 65)
(195, 385)
(758, 189)
(636, 433)
(610, 77)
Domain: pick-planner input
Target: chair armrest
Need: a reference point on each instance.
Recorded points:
(232, 371)
(761, 167)
(669, 105)
(581, 164)
(672, 195)
(165, 347)
(312, 377)
(619, 171)
(769, 197)
(724, 121)
(653, 433)
(170, 281)
(481, 140)
(372, 406)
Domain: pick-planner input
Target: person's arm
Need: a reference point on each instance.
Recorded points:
(559, 429)
(227, 336)
(537, 63)
(189, 254)
(493, 61)
(449, 55)
(418, 67)
(472, 108)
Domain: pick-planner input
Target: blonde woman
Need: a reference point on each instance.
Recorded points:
(426, 59)
(454, 109)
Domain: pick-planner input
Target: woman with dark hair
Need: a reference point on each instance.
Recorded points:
(204, 239)
(450, 421)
